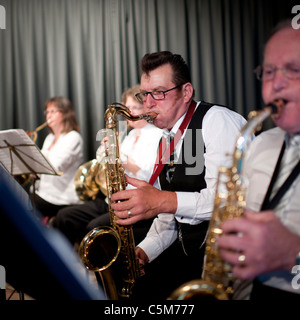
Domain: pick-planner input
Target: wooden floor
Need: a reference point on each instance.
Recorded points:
(12, 294)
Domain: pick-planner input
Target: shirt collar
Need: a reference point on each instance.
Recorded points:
(292, 136)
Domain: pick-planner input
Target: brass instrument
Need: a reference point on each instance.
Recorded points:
(89, 179)
(24, 179)
(217, 278)
(111, 250)
(33, 134)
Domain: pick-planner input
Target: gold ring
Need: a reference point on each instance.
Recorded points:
(242, 258)
(129, 213)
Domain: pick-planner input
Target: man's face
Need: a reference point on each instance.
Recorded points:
(170, 109)
(283, 51)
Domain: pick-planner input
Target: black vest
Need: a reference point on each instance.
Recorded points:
(181, 181)
(191, 236)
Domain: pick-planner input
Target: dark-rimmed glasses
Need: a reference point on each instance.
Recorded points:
(156, 95)
(267, 73)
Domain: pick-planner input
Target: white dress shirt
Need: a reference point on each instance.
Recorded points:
(220, 129)
(142, 151)
(260, 162)
(66, 156)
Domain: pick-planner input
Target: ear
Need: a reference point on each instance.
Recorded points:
(188, 91)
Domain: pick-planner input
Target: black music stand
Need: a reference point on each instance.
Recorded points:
(19, 155)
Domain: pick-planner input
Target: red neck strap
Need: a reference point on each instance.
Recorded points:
(162, 159)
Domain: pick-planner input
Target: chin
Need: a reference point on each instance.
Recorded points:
(157, 124)
(288, 126)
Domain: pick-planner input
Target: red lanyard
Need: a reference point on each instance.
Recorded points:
(163, 158)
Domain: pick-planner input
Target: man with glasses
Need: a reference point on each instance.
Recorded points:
(268, 236)
(181, 190)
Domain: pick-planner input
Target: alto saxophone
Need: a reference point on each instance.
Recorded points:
(111, 250)
(217, 277)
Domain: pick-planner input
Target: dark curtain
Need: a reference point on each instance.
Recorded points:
(89, 51)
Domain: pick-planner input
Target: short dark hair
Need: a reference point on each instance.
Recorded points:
(181, 71)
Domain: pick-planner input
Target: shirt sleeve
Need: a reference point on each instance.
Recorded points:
(162, 234)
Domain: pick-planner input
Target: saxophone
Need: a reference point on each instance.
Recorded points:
(110, 250)
(217, 279)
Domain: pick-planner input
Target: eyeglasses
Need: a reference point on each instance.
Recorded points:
(46, 112)
(267, 73)
(156, 95)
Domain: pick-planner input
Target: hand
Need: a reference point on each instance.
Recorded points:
(144, 202)
(142, 259)
(262, 239)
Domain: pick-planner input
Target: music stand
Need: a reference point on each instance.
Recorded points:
(20, 155)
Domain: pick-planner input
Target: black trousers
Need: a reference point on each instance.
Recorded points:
(45, 208)
(173, 267)
(73, 221)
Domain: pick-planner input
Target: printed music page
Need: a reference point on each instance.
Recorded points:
(20, 155)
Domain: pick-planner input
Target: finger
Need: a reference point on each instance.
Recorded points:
(244, 272)
(237, 225)
(129, 221)
(135, 182)
(240, 264)
(122, 195)
(122, 205)
(122, 214)
(264, 216)
(230, 242)
(231, 257)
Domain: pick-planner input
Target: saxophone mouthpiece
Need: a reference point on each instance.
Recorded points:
(276, 107)
(149, 117)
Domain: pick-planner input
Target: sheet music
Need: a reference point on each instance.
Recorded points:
(20, 155)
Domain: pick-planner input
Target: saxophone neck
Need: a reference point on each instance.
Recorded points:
(255, 119)
(118, 108)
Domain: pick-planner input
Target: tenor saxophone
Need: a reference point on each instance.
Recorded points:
(217, 277)
(111, 250)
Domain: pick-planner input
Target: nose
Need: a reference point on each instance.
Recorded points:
(149, 102)
(280, 81)
(48, 117)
